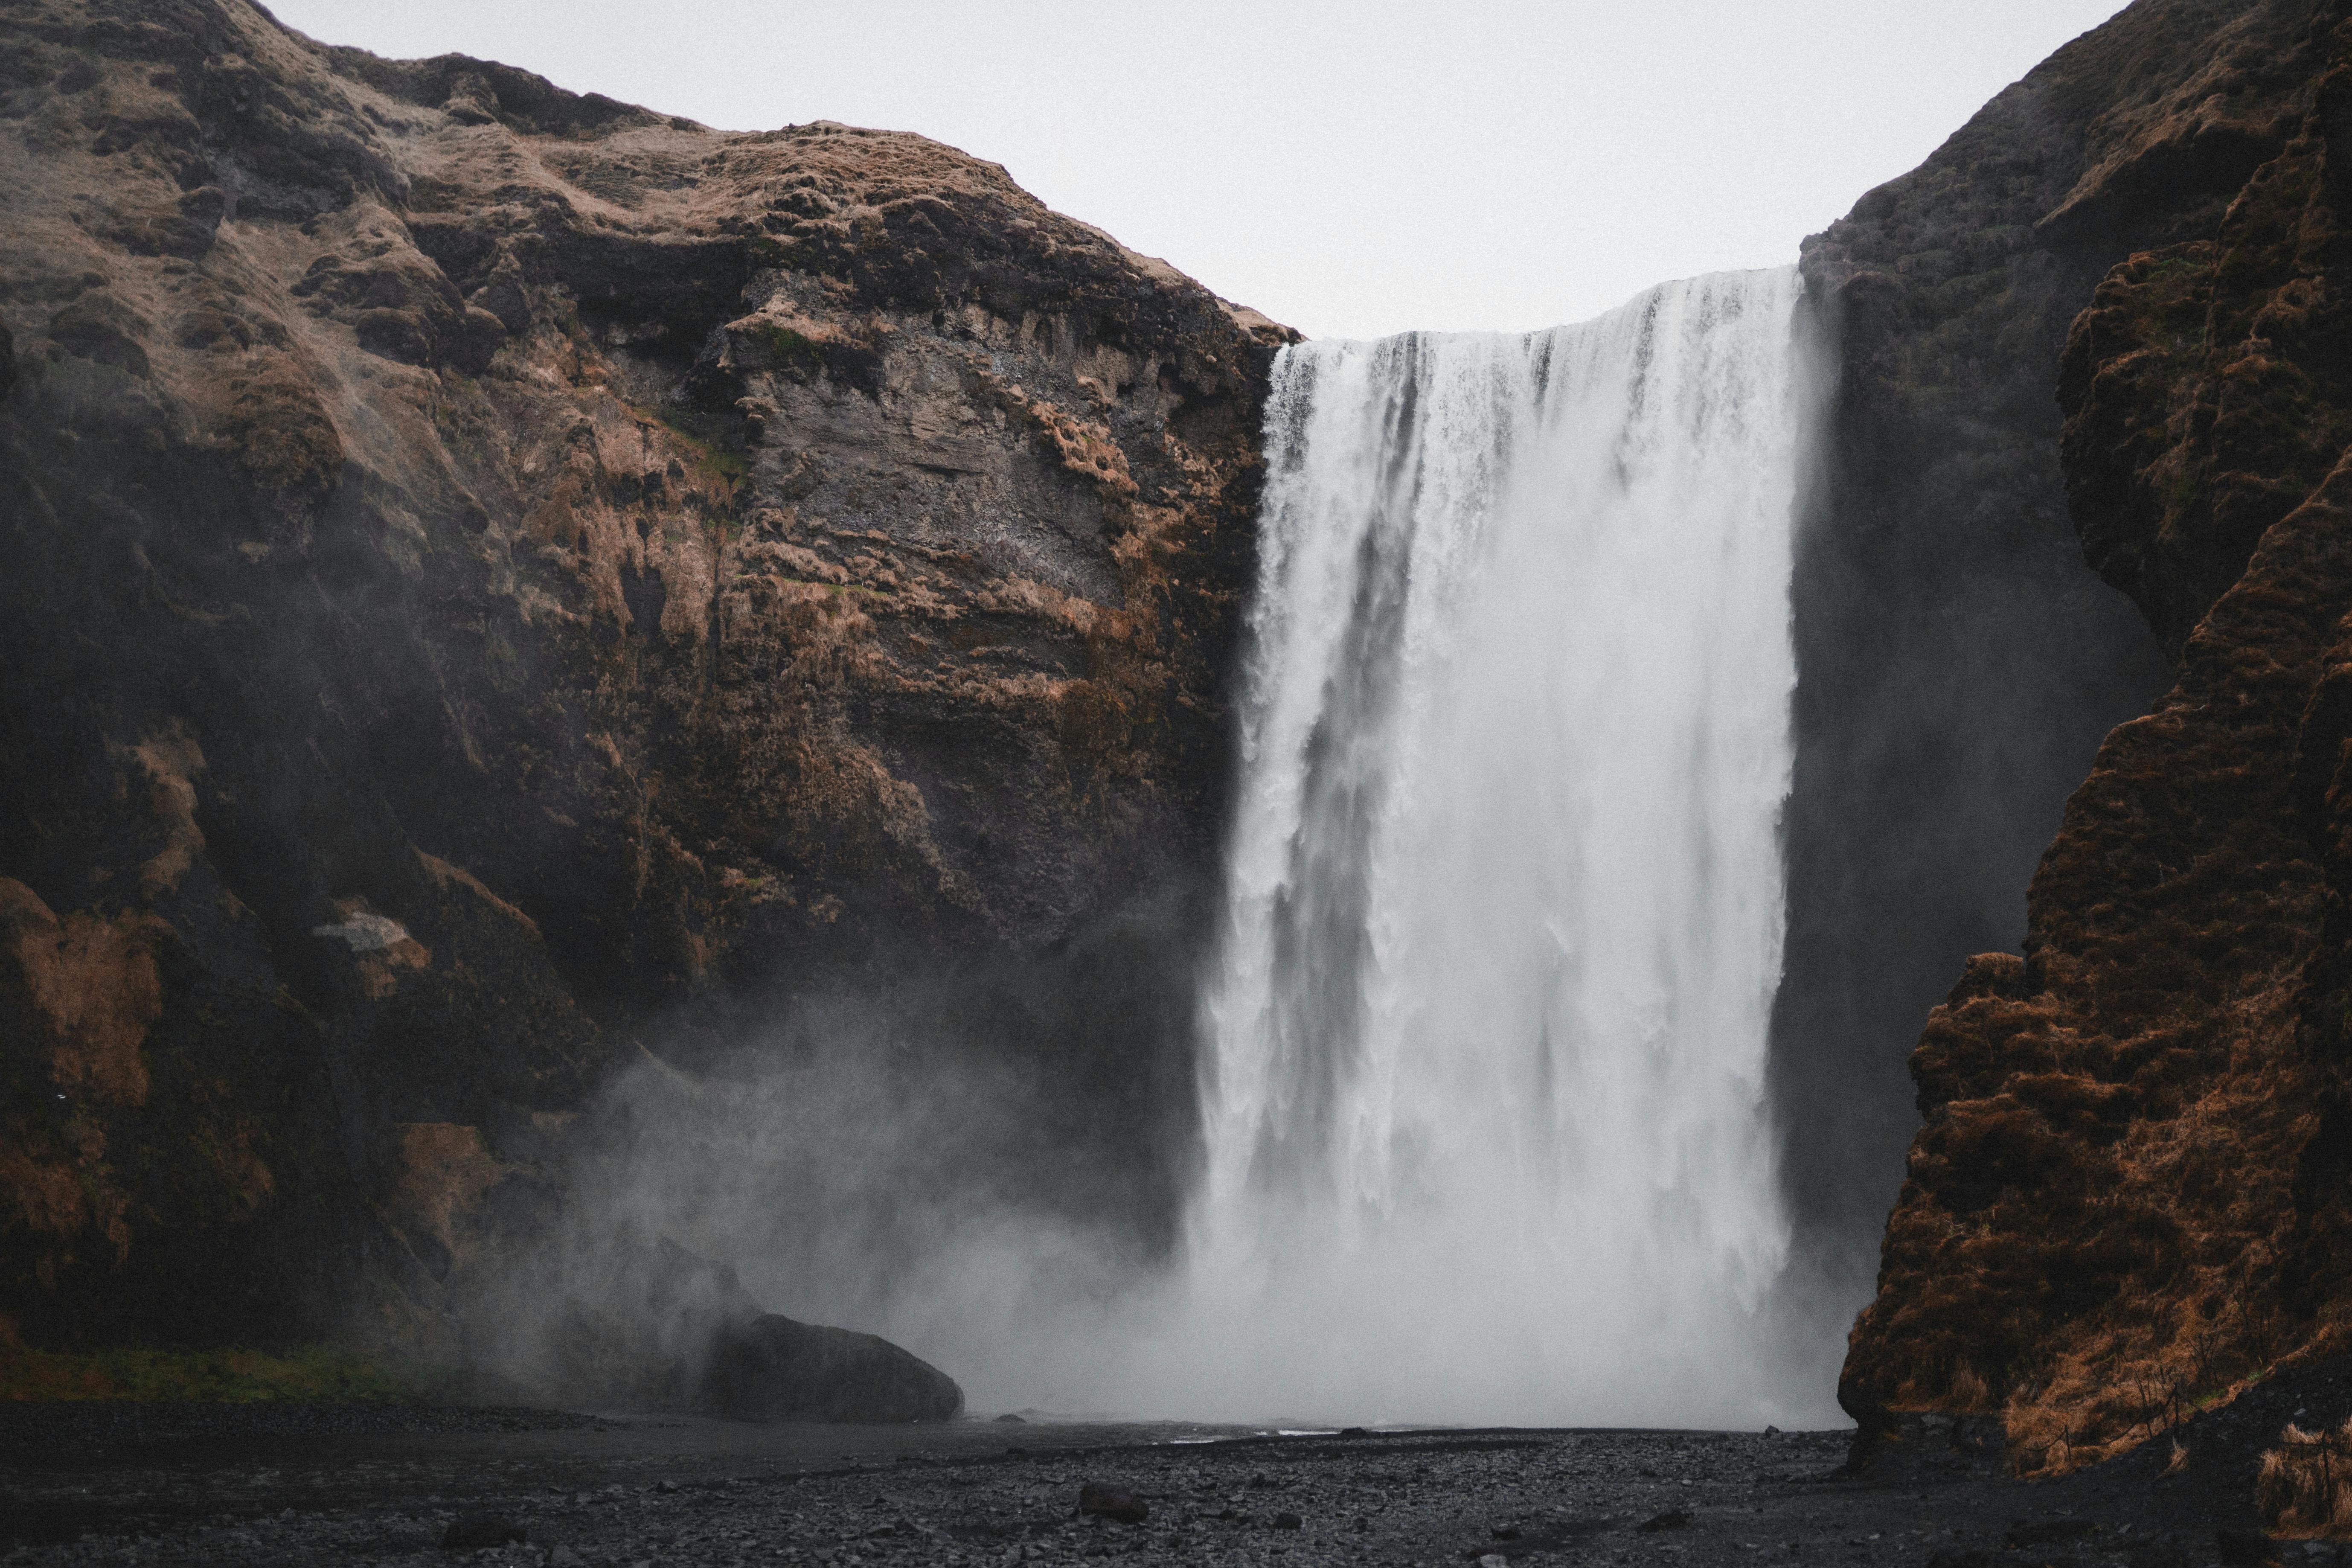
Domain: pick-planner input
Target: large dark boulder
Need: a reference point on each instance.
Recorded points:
(613, 1320)
(774, 1369)
(608, 1319)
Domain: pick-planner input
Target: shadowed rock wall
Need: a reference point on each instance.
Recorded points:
(2134, 1190)
(1957, 661)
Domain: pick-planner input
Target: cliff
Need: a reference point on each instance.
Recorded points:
(2132, 1193)
(493, 581)
(1957, 662)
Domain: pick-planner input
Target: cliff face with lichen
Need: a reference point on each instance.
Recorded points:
(493, 580)
(2133, 1192)
(1959, 662)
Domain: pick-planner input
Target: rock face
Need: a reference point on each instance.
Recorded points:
(492, 579)
(2133, 1194)
(1958, 663)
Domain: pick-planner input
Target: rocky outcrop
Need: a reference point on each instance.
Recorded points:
(1958, 663)
(2133, 1194)
(492, 580)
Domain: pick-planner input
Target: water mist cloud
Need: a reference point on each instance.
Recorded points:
(1487, 1139)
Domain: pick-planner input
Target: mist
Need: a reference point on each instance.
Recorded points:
(1461, 1117)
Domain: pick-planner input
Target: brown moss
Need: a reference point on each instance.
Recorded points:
(172, 759)
(61, 1187)
(2100, 1205)
(2132, 1196)
(85, 988)
(1084, 447)
(279, 432)
(744, 658)
(2208, 393)
(445, 875)
(444, 1171)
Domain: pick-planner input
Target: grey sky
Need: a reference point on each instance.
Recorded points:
(1350, 168)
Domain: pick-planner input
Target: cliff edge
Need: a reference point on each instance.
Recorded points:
(494, 580)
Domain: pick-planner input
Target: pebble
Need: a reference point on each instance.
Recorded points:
(1112, 1502)
(952, 1498)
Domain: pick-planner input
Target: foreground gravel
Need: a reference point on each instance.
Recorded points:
(345, 1488)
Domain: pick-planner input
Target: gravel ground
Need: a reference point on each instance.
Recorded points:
(97, 1429)
(262, 1485)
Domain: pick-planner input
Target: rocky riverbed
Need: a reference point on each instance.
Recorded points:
(393, 1484)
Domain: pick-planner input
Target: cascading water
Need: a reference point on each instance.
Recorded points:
(1484, 1097)
(1486, 1132)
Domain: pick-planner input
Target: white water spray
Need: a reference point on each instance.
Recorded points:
(1485, 1097)
(1484, 1047)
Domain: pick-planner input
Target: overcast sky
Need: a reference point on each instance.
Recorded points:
(1353, 168)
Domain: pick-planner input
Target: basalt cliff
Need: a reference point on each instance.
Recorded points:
(494, 582)
(2132, 1195)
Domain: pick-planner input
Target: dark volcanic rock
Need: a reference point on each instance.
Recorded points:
(491, 578)
(661, 1328)
(772, 1369)
(1112, 1502)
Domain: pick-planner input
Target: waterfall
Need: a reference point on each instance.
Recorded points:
(1483, 1088)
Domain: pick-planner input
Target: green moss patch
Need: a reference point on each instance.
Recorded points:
(715, 461)
(311, 1373)
(788, 347)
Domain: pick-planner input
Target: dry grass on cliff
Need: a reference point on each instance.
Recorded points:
(2306, 1485)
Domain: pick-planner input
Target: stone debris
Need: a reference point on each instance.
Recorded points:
(616, 1496)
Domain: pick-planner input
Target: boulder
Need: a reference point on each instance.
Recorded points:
(770, 1368)
(644, 1323)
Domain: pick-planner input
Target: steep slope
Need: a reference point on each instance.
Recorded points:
(2134, 1189)
(492, 579)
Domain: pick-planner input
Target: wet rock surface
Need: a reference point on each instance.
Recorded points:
(715, 1494)
(1938, 574)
